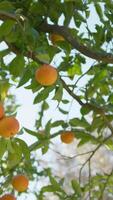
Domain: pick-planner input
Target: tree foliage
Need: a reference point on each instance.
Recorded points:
(84, 61)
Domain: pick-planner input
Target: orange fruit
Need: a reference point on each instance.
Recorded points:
(20, 183)
(2, 112)
(67, 137)
(9, 126)
(8, 197)
(56, 38)
(46, 75)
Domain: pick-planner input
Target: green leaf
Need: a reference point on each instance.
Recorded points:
(25, 148)
(6, 6)
(78, 4)
(13, 160)
(52, 51)
(104, 90)
(43, 94)
(81, 58)
(6, 28)
(85, 110)
(9, 146)
(99, 10)
(96, 123)
(37, 8)
(45, 148)
(35, 134)
(110, 98)
(100, 75)
(30, 35)
(55, 184)
(43, 58)
(109, 144)
(34, 86)
(58, 123)
(48, 128)
(4, 52)
(17, 65)
(68, 15)
(58, 93)
(79, 122)
(76, 187)
(31, 132)
(85, 137)
(15, 157)
(45, 105)
(25, 77)
(79, 17)
(48, 188)
(74, 70)
(63, 111)
(65, 101)
(3, 147)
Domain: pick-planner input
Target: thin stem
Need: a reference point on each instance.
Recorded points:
(93, 152)
(80, 172)
(89, 165)
(71, 93)
(71, 157)
(84, 74)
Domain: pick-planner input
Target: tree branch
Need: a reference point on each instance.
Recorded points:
(29, 54)
(6, 15)
(66, 33)
(71, 93)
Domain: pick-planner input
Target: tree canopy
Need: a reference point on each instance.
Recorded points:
(74, 38)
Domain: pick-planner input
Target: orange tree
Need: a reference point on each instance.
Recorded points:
(78, 33)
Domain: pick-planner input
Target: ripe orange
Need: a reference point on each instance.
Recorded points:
(67, 137)
(2, 112)
(8, 197)
(56, 38)
(9, 126)
(46, 75)
(20, 183)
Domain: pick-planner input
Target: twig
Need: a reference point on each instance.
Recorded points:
(84, 74)
(93, 152)
(71, 93)
(89, 179)
(6, 15)
(80, 172)
(71, 157)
